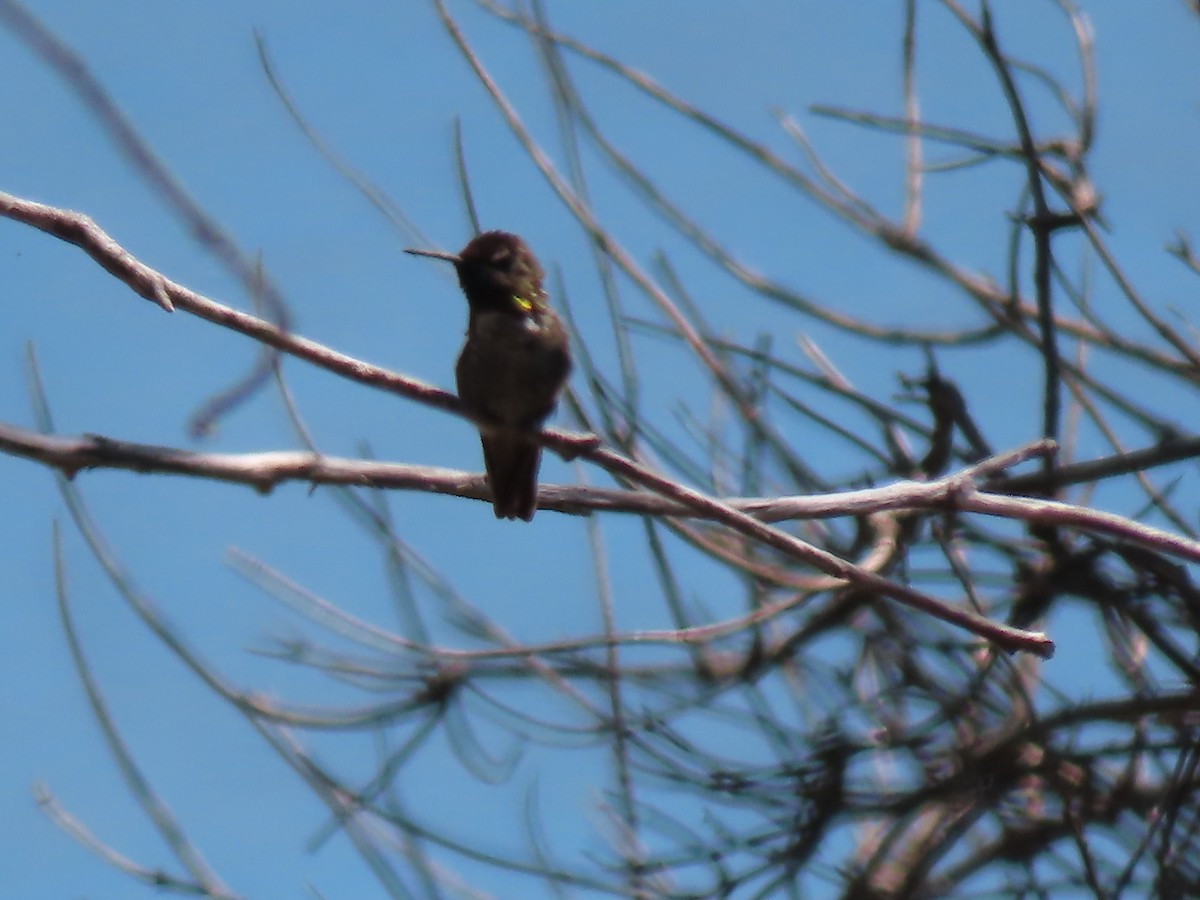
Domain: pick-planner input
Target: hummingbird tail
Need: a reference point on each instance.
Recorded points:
(512, 469)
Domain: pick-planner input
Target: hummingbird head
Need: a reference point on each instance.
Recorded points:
(497, 271)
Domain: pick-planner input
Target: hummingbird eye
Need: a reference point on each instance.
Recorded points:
(503, 259)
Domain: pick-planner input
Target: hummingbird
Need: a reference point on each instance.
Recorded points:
(514, 362)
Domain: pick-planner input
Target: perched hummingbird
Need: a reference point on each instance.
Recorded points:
(514, 362)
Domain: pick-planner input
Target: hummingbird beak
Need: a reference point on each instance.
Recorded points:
(435, 254)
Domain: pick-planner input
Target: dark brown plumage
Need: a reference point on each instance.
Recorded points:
(514, 363)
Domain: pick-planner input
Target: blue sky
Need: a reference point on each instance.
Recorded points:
(383, 83)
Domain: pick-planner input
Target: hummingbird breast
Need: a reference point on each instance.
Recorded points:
(512, 367)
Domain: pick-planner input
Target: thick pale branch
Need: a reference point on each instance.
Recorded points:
(82, 231)
(78, 229)
(264, 471)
